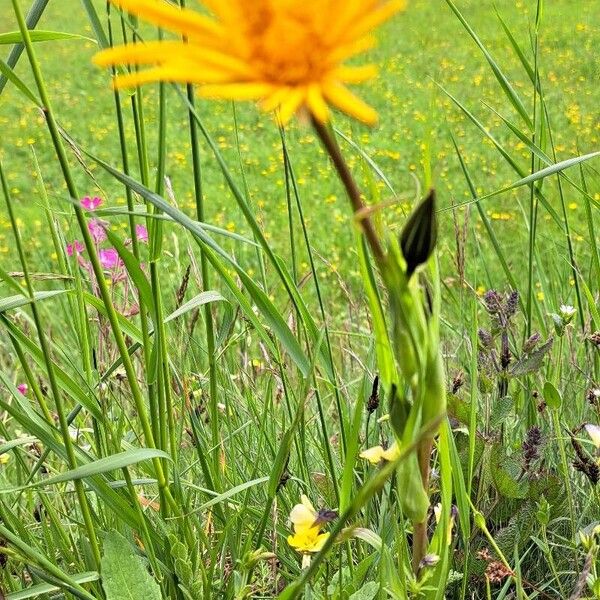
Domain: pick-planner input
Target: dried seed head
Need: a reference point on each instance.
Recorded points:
(485, 338)
(497, 572)
(531, 447)
(595, 339)
(419, 235)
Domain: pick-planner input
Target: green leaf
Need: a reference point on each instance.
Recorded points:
(97, 467)
(124, 575)
(366, 592)
(199, 300)
(12, 302)
(552, 396)
(15, 37)
(46, 588)
(529, 363)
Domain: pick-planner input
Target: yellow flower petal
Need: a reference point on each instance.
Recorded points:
(287, 54)
(373, 455)
(341, 97)
(181, 20)
(303, 515)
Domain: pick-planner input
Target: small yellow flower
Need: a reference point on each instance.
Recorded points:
(377, 454)
(4, 458)
(308, 537)
(308, 540)
(288, 54)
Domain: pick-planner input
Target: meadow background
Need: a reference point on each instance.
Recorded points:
(519, 472)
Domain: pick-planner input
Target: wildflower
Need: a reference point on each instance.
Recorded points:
(91, 203)
(141, 233)
(287, 54)
(4, 458)
(75, 248)
(97, 230)
(23, 388)
(567, 313)
(308, 525)
(377, 454)
(109, 258)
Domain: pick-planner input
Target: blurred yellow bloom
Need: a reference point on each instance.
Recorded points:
(376, 454)
(4, 458)
(288, 54)
(307, 526)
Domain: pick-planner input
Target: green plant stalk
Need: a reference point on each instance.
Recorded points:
(91, 250)
(206, 282)
(363, 496)
(565, 468)
(58, 400)
(551, 562)
(32, 554)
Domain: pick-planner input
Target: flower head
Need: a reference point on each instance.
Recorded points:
(23, 388)
(567, 312)
(109, 258)
(288, 54)
(141, 233)
(91, 203)
(96, 227)
(377, 454)
(75, 248)
(308, 525)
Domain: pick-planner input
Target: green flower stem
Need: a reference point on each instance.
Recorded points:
(60, 409)
(205, 273)
(91, 250)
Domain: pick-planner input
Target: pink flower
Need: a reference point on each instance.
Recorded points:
(109, 258)
(141, 233)
(23, 388)
(75, 248)
(91, 203)
(96, 229)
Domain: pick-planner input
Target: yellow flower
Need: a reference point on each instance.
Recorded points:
(303, 515)
(376, 454)
(4, 458)
(308, 540)
(307, 525)
(288, 54)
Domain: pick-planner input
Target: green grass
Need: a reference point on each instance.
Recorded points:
(412, 55)
(162, 450)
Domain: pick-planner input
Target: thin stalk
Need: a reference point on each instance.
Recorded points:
(91, 250)
(58, 400)
(205, 272)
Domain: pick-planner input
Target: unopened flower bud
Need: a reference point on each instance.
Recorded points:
(419, 235)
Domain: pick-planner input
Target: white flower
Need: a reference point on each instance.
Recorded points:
(567, 312)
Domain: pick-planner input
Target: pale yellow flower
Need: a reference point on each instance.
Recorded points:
(307, 525)
(288, 54)
(377, 454)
